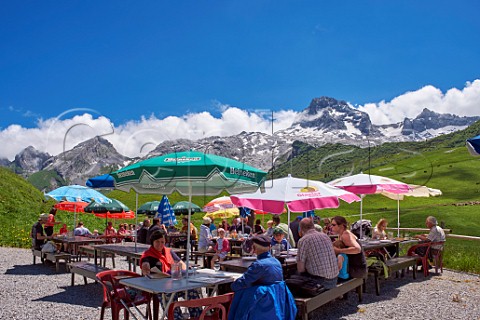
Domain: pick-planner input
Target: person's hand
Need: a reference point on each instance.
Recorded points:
(146, 269)
(337, 250)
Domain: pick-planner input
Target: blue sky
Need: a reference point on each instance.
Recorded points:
(131, 59)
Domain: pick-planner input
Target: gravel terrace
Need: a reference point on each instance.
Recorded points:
(37, 292)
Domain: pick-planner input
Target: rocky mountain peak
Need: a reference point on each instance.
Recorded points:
(30, 160)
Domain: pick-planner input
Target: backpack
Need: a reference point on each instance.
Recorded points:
(366, 226)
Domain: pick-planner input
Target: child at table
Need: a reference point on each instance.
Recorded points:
(342, 262)
(222, 247)
(279, 239)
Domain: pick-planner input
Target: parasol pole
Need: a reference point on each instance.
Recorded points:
(136, 219)
(398, 215)
(189, 223)
(361, 214)
(288, 229)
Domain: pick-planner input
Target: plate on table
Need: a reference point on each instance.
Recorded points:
(249, 258)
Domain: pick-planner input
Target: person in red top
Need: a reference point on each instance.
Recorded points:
(222, 247)
(160, 257)
(48, 228)
(63, 229)
(110, 233)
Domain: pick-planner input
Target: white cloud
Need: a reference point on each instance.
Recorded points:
(408, 105)
(138, 137)
(134, 138)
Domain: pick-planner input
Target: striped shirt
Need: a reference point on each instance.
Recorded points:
(315, 249)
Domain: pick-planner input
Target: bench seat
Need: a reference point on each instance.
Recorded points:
(307, 305)
(85, 269)
(394, 265)
(38, 253)
(57, 257)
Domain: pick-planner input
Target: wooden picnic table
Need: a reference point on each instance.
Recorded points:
(167, 285)
(128, 249)
(74, 242)
(289, 265)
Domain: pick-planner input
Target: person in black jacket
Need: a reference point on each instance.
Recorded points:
(142, 232)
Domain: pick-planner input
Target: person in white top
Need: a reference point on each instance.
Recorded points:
(80, 230)
(436, 234)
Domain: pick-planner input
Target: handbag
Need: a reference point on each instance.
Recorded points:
(304, 287)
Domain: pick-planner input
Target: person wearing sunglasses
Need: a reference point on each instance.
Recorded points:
(356, 257)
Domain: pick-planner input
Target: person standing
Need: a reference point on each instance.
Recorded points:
(295, 227)
(316, 257)
(51, 222)
(205, 238)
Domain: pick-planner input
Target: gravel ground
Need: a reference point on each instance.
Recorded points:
(37, 292)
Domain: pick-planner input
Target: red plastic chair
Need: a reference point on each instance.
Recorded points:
(436, 254)
(116, 296)
(217, 307)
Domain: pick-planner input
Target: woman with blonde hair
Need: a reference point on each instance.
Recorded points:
(379, 230)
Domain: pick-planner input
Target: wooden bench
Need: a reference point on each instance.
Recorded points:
(89, 252)
(37, 253)
(206, 257)
(57, 257)
(85, 269)
(307, 305)
(394, 265)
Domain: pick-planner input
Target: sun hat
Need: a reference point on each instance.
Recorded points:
(220, 230)
(278, 230)
(207, 220)
(43, 217)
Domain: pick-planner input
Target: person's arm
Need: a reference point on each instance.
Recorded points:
(340, 261)
(248, 279)
(41, 237)
(352, 246)
(146, 268)
(301, 266)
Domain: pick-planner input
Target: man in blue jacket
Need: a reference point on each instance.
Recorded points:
(261, 293)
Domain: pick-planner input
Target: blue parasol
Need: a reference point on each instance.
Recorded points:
(166, 213)
(473, 145)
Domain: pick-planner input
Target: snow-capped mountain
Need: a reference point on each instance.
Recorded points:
(325, 120)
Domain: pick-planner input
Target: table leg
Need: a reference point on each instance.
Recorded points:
(95, 256)
(156, 305)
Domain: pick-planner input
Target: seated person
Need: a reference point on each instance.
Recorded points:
(436, 235)
(38, 234)
(160, 258)
(279, 238)
(379, 230)
(316, 259)
(205, 240)
(342, 259)
(244, 227)
(258, 228)
(80, 230)
(182, 242)
(261, 293)
(222, 247)
(269, 231)
(63, 229)
(327, 227)
(142, 232)
(110, 233)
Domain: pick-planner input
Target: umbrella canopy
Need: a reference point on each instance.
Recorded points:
(190, 173)
(71, 206)
(165, 212)
(299, 195)
(112, 210)
(149, 208)
(415, 191)
(221, 207)
(182, 207)
(103, 181)
(473, 145)
(370, 184)
(77, 193)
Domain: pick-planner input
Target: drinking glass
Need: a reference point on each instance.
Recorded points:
(216, 266)
(114, 240)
